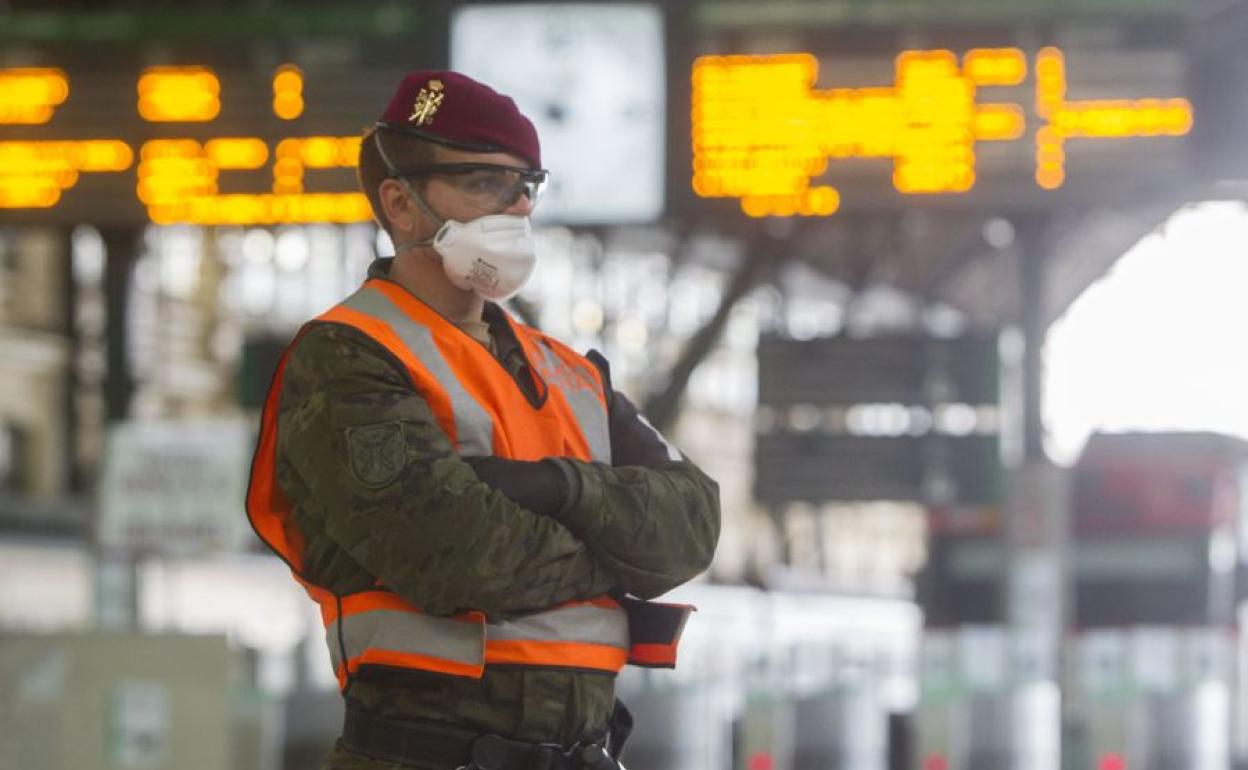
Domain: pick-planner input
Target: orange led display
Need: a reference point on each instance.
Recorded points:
(288, 92)
(29, 95)
(1092, 119)
(263, 209)
(238, 153)
(761, 132)
(179, 94)
(814, 202)
(995, 66)
(34, 174)
(174, 169)
(176, 179)
(295, 155)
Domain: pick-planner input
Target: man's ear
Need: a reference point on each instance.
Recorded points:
(398, 206)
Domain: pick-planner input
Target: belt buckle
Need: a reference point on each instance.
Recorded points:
(590, 756)
(488, 753)
(545, 755)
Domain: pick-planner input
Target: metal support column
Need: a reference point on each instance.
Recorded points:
(121, 245)
(118, 574)
(1035, 536)
(1032, 256)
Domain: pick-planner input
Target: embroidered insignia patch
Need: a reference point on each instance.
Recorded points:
(376, 452)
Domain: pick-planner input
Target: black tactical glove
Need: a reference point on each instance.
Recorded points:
(539, 486)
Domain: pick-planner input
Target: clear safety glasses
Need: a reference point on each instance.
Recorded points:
(490, 186)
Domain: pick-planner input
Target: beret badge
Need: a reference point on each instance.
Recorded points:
(452, 109)
(427, 103)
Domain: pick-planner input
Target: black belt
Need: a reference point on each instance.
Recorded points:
(442, 747)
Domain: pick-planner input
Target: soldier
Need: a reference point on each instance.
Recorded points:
(477, 512)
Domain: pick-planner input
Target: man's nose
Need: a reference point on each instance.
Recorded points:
(520, 207)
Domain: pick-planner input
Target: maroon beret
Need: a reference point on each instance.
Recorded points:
(455, 110)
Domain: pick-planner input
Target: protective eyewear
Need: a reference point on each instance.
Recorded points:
(489, 185)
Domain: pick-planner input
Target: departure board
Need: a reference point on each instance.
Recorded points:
(267, 137)
(188, 143)
(799, 134)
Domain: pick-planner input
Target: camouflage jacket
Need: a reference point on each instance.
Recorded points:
(446, 542)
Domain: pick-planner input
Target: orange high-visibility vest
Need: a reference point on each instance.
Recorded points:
(482, 411)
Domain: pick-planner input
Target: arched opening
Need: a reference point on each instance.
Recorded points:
(1161, 341)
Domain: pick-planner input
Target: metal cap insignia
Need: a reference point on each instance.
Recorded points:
(427, 103)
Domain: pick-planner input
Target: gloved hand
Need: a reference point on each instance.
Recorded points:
(539, 486)
(634, 441)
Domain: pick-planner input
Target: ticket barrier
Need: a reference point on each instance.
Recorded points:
(843, 728)
(677, 728)
(983, 706)
(1155, 698)
(840, 728)
(765, 732)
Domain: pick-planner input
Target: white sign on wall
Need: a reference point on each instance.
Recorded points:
(141, 724)
(176, 487)
(591, 77)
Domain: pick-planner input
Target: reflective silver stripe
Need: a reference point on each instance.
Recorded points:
(461, 641)
(576, 623)
(673, 453)
(473, 426)
(591, 413)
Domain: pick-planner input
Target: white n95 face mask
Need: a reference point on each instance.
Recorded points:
(493, 255)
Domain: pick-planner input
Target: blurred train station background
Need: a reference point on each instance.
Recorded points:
(951, 296)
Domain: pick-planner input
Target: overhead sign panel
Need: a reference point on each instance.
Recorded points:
(900, 369)
(840, 370)
(819, 467)
(799, 134)
(889, 418)
(815, 467)
(210, 141)
(386, 19)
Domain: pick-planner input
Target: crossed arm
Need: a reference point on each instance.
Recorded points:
(434, 532)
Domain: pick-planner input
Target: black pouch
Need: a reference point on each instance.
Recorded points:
(654, 630)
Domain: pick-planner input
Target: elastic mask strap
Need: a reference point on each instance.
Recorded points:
(399, 248)
(411, 191)
(390, 167)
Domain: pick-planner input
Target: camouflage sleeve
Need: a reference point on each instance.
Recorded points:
(653, 528)
(651, 518)
(362, 457)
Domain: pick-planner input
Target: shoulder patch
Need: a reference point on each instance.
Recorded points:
(376, 452)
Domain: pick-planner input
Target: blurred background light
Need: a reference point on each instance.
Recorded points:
(179, 94)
